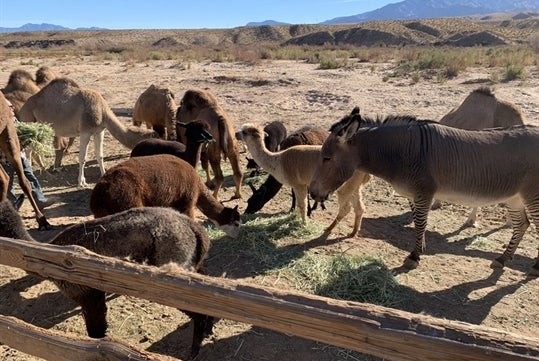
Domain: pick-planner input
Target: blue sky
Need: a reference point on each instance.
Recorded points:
(174, 14)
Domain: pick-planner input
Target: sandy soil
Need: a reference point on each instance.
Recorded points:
(454, 280)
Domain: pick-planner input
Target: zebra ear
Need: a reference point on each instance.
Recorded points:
(350, 130)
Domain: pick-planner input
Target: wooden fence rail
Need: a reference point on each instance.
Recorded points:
(376, 330)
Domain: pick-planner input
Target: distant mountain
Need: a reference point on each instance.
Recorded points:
(266, 22)
(424, 9)
(42, 27)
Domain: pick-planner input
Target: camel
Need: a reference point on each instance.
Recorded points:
(44, 75)
(11, 148)
(19, 88)
(424, 160)
(73, 111)
(481, 110)
(157, 109)
(201, 104)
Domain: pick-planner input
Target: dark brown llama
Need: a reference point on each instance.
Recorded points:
(160, 181)
(156, 236)
(197, 135)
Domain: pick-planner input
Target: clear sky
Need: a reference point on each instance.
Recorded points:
(176, 14)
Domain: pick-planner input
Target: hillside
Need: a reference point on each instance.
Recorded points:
(450, 31)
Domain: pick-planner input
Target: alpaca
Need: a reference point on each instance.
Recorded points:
(160, 180)
(11, 148)
(201, 104)
(157, 109)
(275, 133)
(295, 167)
(307, 135)
(481, 110)
(197, 135)
(73, 111)
(156, 236)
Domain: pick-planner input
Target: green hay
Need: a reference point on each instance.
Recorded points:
(268, 241)
(277, 245)
(37, 135)
(352, 278)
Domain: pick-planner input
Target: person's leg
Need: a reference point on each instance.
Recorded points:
(36, 187)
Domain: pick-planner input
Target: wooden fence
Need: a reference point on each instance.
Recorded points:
(376, 330)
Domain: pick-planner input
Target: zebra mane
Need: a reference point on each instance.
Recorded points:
(342, 126)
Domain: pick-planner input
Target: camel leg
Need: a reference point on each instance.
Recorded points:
(9, 144)
(215, 163)
(205, 163)
(84, 140)
(27, 189)
(4, 183)
(98, 148)
(301, 199)
(238, 175)
(58, 151)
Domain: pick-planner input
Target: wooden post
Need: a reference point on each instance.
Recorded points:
(376, 330)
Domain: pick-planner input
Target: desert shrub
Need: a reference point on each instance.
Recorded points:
(514, 72)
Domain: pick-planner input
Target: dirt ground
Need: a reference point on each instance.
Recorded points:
(454, 280)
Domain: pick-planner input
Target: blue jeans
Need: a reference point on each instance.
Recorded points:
(37, 193)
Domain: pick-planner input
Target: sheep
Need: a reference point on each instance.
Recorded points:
(160, 180)
(275, 133)
(307, 135)
(201, 104)
(156, 236)
(157, 109)
(196, 133)
(295, 167)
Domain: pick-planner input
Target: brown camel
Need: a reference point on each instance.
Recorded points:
(481, 110)
(10, 147)
(19, 88)
(74, 111)
(201, 104)
(157, 109)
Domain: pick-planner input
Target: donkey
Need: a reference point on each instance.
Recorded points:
(424, 160)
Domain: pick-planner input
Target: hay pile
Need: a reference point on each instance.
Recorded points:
(38, 136)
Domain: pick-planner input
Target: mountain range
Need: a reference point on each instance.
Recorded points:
(403, 10)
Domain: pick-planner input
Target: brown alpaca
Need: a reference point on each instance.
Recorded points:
(73, 111)
(155, 236)
(11, 148)
(157, 109)
(197, 135)
(160, 181)
(201, 104)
